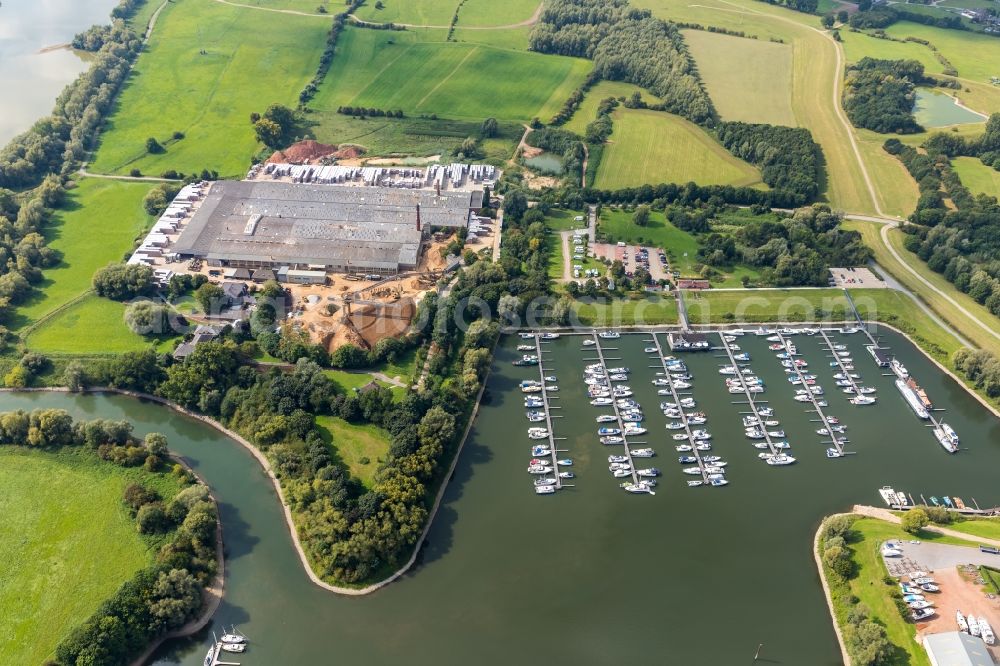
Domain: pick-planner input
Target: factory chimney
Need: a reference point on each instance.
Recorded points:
(418, 217)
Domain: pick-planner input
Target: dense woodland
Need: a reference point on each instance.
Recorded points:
(795, 251)
(986, 146)
(788, 158)
(164, 595)
(880, 94)
(626, 44)
(883, 16)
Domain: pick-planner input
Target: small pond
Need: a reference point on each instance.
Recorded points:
(937, 109)
(546, 163)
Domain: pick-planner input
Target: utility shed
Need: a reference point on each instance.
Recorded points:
(955, 648)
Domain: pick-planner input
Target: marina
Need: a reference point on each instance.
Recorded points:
(618, 415)
(489, 521)
(752, 403)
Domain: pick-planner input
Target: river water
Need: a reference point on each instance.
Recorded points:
(32, 80)
(591, 575)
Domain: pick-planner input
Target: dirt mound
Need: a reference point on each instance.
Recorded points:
(303, 152)
(348, 152)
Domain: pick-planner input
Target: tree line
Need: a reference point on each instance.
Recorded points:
(326, 59)
(166, 594)
(883, 16)
(807, 6)
(626, 44)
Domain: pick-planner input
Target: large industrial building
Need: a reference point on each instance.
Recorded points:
(312, 227)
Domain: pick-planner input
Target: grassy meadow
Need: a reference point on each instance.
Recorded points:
(979, 178)
(67, 544)
(681, 152)
(202, 75)
(748, 79)
(91, 326)
(858, 45)
(478, 13)
(359, 447)
(98, 225)
(420, 73)
(648, 310)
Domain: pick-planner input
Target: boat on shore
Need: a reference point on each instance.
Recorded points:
(963, 626)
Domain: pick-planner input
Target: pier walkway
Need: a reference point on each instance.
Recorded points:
(548, 414)
(614, 404)
(749, 395)
(684, 417)
(840, 363)
(812, 397)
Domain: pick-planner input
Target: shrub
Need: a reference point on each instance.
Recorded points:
(914, 520)
(151, 518)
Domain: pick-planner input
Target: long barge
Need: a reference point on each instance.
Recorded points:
(912, 399)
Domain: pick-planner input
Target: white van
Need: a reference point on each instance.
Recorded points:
(621, 244)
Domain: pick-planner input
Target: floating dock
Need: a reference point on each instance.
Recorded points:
(812, 398)
(746, 389)
(548, 413)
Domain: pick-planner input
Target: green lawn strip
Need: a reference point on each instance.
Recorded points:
(979, 178)
(414, 12)
(67, 544)
(973, 55)
(201, 75)
(988, 528)
(766, 305)
(98, 225)
(644, 311)
(91, 326)
(586, 113)
(748, 79)
(354, 444)
(682, 152)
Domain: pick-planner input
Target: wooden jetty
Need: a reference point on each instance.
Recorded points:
(812, 398)
(746, 389)
(614, 404)
(548, 414)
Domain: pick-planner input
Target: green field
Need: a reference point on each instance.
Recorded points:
(481, 13)
(656, 147)
(587, 111)
(67, 544)
(97, 226)
(505, 38)
(646, 311)
(858, 45)
(354, 443)
(988, 528)
(206, 68)
(748, 79)
(979, 178)
(91, 326)
(975, 56)
(763, 305)
(418, 72)
(412, 136)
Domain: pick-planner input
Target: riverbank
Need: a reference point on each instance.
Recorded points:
(289, 518)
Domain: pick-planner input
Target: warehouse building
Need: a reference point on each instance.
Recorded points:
(304, 230)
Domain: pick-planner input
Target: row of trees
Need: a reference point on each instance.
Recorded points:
(807, 6)
(985, 146)
(326, 59)
(163, 596)
(883, 16)
(626, 44)
(880, 94)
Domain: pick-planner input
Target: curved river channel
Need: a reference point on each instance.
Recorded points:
(591, 575)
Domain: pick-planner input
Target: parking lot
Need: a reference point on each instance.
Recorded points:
(856, 277)
(633, 256)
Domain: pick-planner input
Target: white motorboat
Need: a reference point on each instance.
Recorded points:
(703, 446)
(524, 348)
(565, 462)
(973, 625)
(929, 587)
(694, 483)
(986, 631)
(609, 335)
(549, 336)
(920, 605)
(946, 437)
(888, 550)
(566, 474)
(589, 343)
(643, 453)
(538, 433)
(834, 453)
(638, 488)
(922, 614)
(717, 482)
(692, 470)
(780, 459)
(683, 448)
(634, 429)
(649, 472)
(539, 469)
(606, 418)
(609, 431)
(602, 402)
(766, 411)
(962, 624)
(210, 657)
(544, 490)
(680, 437)
(617, 459)
(613, 439)
(621, 473)
(527, 336)
(862, 400)
(545, 481)
(675, 425)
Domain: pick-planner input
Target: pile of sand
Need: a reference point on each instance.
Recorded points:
(303, 152)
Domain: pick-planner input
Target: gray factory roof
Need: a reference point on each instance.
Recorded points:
(317, 224)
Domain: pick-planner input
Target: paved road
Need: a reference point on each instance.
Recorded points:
(147, 179)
